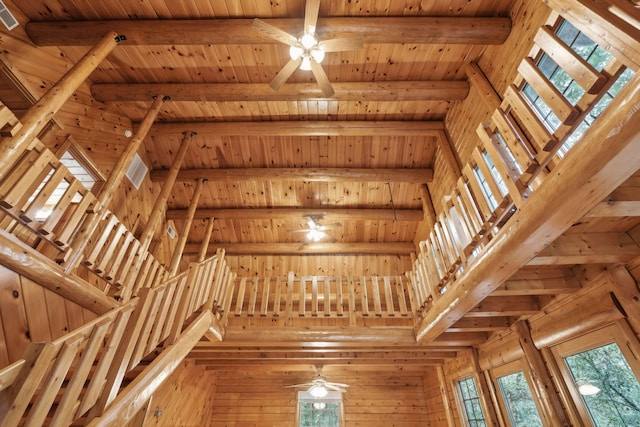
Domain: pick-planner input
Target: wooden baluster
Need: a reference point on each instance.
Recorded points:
(472, 214)
(109, 248)
(60, 208)
(64, 234)
(35, 120)
(240, 297)
(454, 253)
(388, 297)
(302, 297)
(364, 295)
(289, 307)
(465, 225)
(415, 307)
(172, 312)
(253, 296)
(163, 313)
(30, 211)
(486, 213)
(15, 400)
(125, 247)
(339, 297)
(516, 143)
(488, 176)
(183, 306)
(228, 294)
(402, 302)
(327, 297)
(217, 272)
(265, 296)
(377, 304)
(182, 241)
(145, 333)
(314, 296)
(108, 190)
(277, 298)
(352, 301)
(27, 184)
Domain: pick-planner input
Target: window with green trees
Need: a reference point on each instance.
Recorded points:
(518, 401)
(607, 386)
(319, 412)
(471, 403)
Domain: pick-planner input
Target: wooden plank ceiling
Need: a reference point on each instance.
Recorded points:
(356, 160)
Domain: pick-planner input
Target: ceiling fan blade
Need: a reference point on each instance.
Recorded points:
(274, 32)
(311, 16)
(285, 73)
(322, 79)
(299, 385)
(335, 388)
(338, 384)
(355, 42)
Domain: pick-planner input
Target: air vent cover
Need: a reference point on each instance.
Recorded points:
(137, 171)
(7, 18)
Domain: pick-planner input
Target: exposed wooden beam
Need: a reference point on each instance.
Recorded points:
(416, 176)
(607, 155)
(588, 248)
(474, 324)
(386, 248)
(320, 360)
(454, 30)
(327, 214)
(552, 286)
(505, 306)
(303, 128)
(224, 92)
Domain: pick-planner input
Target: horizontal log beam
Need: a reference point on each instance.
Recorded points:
(552, 286)
(319, 360)
(386, 248)
(588, 248)
(303, 128)
(223, 92)
(607, 155)
(22, 259)
(475, 324)
(454, 30)
(416, 176)
(513, 306)
(326, 214)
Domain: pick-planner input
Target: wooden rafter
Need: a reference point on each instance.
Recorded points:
(223, 92)
(417, 176)
(327, 214)
(386, 248)
(454, 30)
(303, 128)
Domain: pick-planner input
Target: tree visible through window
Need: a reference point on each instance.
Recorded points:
(471, 403)
(607, 386)
(518, 400)
(319, 412)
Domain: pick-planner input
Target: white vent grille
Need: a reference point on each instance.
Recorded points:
(171, 232)
(7, 18)
(137, 171)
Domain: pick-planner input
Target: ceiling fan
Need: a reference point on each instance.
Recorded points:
(319, 387)
(315, 231)
(305, 50)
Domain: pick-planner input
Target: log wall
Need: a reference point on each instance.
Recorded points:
(259, 398)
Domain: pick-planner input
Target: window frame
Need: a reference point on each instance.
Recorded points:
(619, 333)
(341, 422)
(508, 369)
(460, 399)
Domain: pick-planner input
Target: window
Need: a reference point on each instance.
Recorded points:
(81, 169)
(595, 112)
(319, 412)
(471, 403)
(488, 195)
(516, 400)
(602, 369)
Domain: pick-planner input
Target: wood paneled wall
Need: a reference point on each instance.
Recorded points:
(31, 313)
(185, 399)
(374, 398)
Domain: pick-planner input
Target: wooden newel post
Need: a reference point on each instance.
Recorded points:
(161, 200)
(177, 252)
(39, 115)
(107, 192)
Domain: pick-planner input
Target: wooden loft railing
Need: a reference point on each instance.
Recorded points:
(81, 374)
(517, 151)
(328, 297)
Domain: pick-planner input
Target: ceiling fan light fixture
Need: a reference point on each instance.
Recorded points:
(318, 55)
(306, 63)
(318, 391)
(295, 52)
(308, 41)
(315, 235)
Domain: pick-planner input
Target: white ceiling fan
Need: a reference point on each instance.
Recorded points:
(319, 387)
(306, 51)
(315, 231)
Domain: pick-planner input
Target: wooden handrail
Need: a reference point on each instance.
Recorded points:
(115, 343)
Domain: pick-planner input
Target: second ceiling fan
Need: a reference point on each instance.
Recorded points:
(306, 51)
